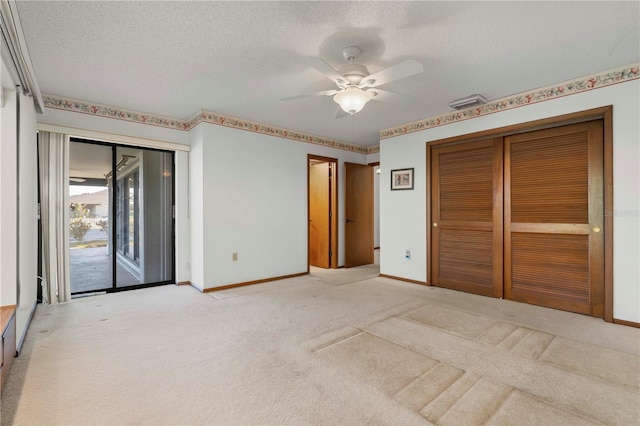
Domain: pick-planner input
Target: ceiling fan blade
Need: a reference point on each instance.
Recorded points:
(386, 96)
(394, 72)
(308, 95)
(340, 113)
(327, 70)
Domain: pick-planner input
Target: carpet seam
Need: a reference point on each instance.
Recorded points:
(439, 329)
(520, 340)
(562, 409)
(403, 346)
(500, 406)
(336, 341)
(505, 337)
(547, 347)
(445, 389)
(590, 376)
(461, 396)
(417, 378)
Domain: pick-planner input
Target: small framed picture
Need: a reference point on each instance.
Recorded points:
(401, 179)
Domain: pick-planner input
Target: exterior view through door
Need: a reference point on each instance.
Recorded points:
(121, 217)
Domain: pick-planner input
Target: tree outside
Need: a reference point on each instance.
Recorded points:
(78, 226)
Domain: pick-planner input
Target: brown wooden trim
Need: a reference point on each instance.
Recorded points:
(6, 313)
(428, 189)
(506, 224)
(529, 126)
(407, 280)
(596, 216)
(264, 280)
(498, 217)
(334, 215)
(333, 167)
(467, 226)
(608, 218)
(627, 323)
(552, 228)
(321, 159)
(375, 163)
(184, 283)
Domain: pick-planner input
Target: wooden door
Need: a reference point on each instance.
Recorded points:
(319, 215)
(554, 239)
(358, 215)
(466, 216)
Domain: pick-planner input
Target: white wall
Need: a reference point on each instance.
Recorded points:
(182, 220)
(18, 206)
(374, 158)
(27, 219)
(254, 203)
(403, 213)
(196, 206)
(122, 131)
(8, 192)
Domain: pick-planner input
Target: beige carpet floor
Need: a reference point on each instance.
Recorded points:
(320, 349)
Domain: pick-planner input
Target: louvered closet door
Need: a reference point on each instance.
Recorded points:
(554, 239)
(467, 229)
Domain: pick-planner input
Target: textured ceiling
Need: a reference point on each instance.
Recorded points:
(239, 58)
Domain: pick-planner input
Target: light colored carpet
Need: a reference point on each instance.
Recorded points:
(308, 351)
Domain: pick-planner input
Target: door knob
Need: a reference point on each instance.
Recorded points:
(596, 229)
(348, 221)
(435, 225)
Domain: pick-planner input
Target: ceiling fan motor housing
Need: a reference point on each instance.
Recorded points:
(354, 73)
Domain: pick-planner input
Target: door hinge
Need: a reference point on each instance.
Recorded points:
(174, 211)
(330, 254)
(330, 214)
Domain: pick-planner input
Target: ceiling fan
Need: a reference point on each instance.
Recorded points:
(356, 86)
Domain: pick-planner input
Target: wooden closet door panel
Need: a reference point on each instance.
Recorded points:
(466, 234)
(554, 251)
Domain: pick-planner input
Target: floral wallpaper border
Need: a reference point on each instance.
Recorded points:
(236, 123)
(608, 78)
(74, 105)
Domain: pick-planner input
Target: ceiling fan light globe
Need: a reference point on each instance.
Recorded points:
(352, 99)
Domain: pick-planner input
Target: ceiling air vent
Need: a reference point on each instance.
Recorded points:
(468, 102)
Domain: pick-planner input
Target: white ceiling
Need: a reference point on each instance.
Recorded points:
(239, 58)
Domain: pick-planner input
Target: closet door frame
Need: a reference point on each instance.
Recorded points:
(603, 113)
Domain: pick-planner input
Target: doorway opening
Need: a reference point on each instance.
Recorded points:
(121, 225)
(322, 198)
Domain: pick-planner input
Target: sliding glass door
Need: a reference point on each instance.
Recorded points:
(89, 217)
(144, 216)
(137, 246)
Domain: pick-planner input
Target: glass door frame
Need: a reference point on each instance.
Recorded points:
(113, 212)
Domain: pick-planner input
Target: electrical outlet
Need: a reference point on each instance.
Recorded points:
(234, 257)
(407, 254)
